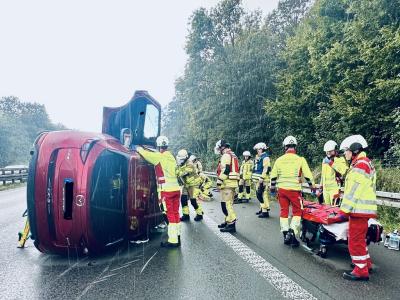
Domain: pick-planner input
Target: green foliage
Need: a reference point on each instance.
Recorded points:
(20, 122)
(318, 70)
(341, 76)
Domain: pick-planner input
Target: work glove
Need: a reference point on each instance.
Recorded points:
(260, 181)
(272, 191)
(327, 160)
(318, 192)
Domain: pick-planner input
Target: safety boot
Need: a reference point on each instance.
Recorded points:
(259, 212)
(222, 225)
(229, 228)
(185, 218)
(286, 237)
(264, 214)
(291, 239)
(349, 275)
(369, 265)
(198, 218)
(294, 242)
(170, 245)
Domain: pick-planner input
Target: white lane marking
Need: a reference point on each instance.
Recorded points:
(144, 267)
(286, 286)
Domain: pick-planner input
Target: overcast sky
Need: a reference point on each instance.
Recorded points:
(77, 56)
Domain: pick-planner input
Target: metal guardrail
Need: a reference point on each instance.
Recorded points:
(11, 175)
(382, 198)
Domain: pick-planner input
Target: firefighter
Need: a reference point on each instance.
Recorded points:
(333, 170)
(206, 184)
(167, 186)
(246, 170)
(359, 202)
(189, 176)
(261, 171)
(286, 177)
(227, 182)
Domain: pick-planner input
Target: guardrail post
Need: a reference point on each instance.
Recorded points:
(2, 173)
(13, 179)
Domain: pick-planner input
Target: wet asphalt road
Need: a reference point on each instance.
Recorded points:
(207, 266)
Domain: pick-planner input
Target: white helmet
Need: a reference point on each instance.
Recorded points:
(246, 153)
(162, 141)
(289, 140)
(192, 158)
(354, 143)
(221, 144)
(330, 146)
(182, 156)
(260, 146)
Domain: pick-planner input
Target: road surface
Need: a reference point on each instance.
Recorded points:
(251, 264)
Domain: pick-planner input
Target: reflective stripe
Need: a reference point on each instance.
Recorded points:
(366, 202)
(346, 207)
(362, 172)
(169, 187)
(362, 257)
(350, 195)
(365, 211)
(361, 266)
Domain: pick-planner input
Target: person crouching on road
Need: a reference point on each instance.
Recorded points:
(333, 170)
(246, 171)
(188, 175)
(261, 171)
(227, 182)
(168, 187)
(206, 184)
(286, 176)
(359, 202)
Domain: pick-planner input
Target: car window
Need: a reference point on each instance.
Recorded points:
(151, 122)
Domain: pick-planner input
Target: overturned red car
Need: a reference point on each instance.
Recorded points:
(88, 191)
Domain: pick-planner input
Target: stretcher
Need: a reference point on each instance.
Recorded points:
(325, 225)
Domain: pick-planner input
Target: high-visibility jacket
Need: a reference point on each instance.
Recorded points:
(288, 171)
(246, 169)
(359, 197)
(189, 175)
(332, 173)
(262, 167)
(165, 168)
(230, 162)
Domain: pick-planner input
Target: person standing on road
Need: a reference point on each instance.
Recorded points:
(168, 187)
(187, 173)
(359, 202)
(333, 170)
(286, 175)
(261, 171)
(227, 182)
(246, 171)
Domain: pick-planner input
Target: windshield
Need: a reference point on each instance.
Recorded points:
(151, 123)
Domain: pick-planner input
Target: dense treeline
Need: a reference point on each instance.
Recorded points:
(20, 122)
(318, 70)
